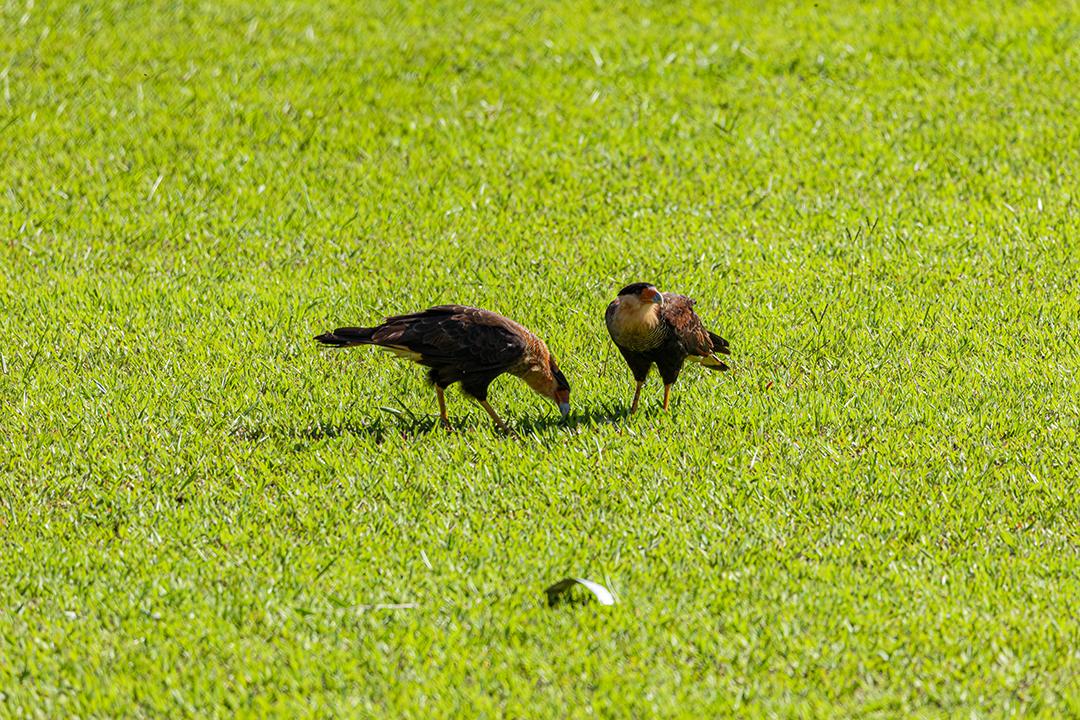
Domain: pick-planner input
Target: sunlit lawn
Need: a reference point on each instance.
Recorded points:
(875, 513)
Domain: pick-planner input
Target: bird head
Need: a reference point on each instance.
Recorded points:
(541, 373)
(560, 392)
(545, 378)
(641, 294)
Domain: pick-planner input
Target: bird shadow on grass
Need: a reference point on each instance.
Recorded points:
(609, 413)
(409, 426)
(380, 429)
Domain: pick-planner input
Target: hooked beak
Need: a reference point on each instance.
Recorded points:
(564, 408)
(652, 295)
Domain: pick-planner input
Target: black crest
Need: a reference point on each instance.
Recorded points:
(635, 289)
(560, 379)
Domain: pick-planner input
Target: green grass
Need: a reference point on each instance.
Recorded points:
(876, 513)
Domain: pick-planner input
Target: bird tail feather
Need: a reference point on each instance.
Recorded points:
(347, 337)
(720, 345)
(708, 361)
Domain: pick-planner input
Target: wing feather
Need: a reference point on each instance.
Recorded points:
(678, 312)
(471, 339)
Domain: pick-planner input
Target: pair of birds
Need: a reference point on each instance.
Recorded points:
(473, 346)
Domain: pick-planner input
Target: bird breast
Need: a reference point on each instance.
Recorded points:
(636, 326)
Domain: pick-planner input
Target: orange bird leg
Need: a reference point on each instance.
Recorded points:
(637, 396)
(667, 395)
(495, 417)
(442, 407)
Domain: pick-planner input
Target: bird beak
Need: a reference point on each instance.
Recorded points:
(564, 408)
(652, 295)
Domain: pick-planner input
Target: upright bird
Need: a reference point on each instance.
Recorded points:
(467, 345)
(649, 326)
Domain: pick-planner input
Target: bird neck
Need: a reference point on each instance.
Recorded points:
(634, 320)
(535, 366)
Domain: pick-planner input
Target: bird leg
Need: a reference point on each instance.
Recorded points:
(637, 396)
(494, 416)
(667, 394)
(442, 407)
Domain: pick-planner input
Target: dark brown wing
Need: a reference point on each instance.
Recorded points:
(609, 316)
(467, 338)
(678, 312)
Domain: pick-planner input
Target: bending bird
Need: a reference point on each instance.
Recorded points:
(649, 327)
(467, 345)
